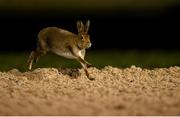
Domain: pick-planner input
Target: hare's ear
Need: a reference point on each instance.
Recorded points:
(87, 26)
(80, 26)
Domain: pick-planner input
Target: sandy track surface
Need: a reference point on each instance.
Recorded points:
(116, 91)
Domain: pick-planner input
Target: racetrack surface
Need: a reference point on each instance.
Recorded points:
(115, 91)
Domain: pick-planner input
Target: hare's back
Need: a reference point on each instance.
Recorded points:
(54, 36)
(56, 33)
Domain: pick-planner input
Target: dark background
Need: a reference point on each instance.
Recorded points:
(122, 27)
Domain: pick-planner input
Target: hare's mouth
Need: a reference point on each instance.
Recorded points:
(89, 45)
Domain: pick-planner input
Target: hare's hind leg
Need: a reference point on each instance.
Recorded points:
(42, 49)
(31, 59)
(35, 56)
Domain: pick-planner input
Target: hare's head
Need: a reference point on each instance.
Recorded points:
(83, 36)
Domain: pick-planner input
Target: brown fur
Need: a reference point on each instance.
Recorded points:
(63, 43)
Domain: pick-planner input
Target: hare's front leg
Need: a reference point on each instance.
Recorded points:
(80, 59)
(84, 65)
(87, 64)
(82, 54)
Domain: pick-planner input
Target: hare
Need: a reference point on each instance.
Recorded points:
(63, 43)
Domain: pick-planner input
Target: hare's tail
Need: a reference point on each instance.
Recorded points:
(31, 59)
